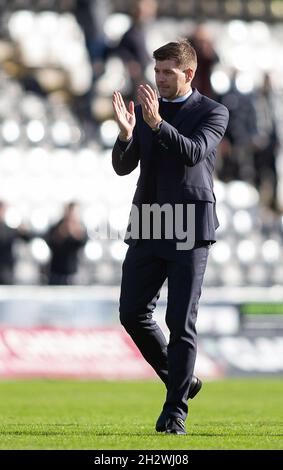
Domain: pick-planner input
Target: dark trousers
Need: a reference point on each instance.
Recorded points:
(145, 269)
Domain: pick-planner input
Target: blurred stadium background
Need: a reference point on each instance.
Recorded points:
(60, 61)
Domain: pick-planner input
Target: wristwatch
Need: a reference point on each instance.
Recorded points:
(157, 128)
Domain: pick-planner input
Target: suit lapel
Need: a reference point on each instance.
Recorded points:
(188, 106)
(182, 114)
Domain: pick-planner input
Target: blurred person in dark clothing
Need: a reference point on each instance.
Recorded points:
(91, 16)
(132, 48)
(207, 58)
(65, 239)
(236, 148)
(266, 144)
(8, 237)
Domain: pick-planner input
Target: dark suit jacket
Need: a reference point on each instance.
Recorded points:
(187, 152)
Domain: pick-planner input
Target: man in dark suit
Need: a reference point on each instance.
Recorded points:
(174, 139)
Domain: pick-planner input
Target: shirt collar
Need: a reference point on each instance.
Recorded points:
(180, 99)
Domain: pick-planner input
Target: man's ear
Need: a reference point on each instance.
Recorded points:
(189, 74)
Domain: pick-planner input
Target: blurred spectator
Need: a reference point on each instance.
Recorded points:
(91, 15)
(8, 236)
(236, 149)
(207, 58)
(132, 48)
(65, 239)
(266, 144)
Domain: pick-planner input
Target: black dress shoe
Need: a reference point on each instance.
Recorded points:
(195, 387)
(161, 422)
(175, 426)
(170, 425)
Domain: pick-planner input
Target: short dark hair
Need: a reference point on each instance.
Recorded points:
(181, 51)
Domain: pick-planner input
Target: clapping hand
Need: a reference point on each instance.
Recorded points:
(126, 119)
(148, 99)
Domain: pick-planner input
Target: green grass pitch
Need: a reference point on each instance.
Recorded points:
(67, 414)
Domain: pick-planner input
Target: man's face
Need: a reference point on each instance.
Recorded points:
(171, 80)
